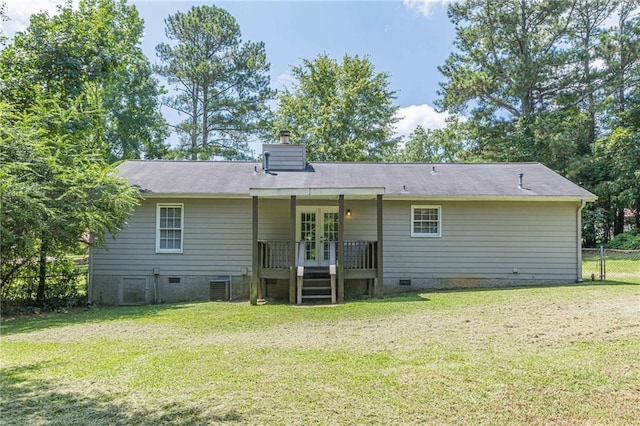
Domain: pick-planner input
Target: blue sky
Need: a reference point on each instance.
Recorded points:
(407, 39)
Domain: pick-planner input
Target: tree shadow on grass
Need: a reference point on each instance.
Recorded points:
(28, 323)
(26, 401)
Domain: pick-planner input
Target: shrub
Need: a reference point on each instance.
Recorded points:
(65, 287)
(626, 241)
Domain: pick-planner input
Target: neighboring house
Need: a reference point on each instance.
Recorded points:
(297, 231)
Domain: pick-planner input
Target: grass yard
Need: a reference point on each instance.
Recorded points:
(619, 266)
(553, 355)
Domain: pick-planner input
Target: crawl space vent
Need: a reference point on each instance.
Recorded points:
(405, 282)
(174, 280)
(219, 289)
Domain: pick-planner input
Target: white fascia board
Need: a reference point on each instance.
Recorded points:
(347, 191)
(315, 192)
(363, 192)
(488, 198)
(191, 195)
(278, 192)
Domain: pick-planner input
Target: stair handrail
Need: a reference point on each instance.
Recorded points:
(332, 269)
(300, 270)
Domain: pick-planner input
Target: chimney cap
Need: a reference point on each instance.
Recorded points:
(284, 137)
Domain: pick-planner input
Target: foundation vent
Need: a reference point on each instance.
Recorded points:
(174, 280)
(219, 289)
(405, 282)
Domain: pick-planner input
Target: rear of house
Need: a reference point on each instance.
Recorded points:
(303, 232)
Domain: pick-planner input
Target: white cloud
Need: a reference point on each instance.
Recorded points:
(19, 12)
(419, 115)
(425, 7)
(284, 80)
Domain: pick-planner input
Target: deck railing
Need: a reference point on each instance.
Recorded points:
(274, 254)
(360, 254)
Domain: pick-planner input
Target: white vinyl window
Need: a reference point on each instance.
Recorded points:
(426, 221)
(169, 227)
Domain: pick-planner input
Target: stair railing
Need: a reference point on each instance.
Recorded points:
(300, 271)
(332, 269)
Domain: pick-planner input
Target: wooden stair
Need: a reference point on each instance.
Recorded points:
(316, 284)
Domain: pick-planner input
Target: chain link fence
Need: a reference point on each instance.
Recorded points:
(600, 264)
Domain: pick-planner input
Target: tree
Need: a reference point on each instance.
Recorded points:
(135, 127)
(56, 188)
(620, 50)
(76, 93)
(219, 83)
(96, 47)
(436, 146)
(547, 81)
(509, 67)
(586, 79)
(3, 18)
(341, 112)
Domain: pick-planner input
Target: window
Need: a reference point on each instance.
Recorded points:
(169, 223)
(426, 221)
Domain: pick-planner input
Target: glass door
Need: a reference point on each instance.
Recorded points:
(317, 226)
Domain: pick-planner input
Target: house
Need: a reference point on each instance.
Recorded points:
(288, 229)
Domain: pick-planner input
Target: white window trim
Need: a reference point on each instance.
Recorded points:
(158, 207)
(424, 235)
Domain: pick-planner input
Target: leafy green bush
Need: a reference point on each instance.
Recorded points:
(626, 241)
(65, 288)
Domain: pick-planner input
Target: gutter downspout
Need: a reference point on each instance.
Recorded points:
(579, 240)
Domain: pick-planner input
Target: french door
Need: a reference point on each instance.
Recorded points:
(317, 226)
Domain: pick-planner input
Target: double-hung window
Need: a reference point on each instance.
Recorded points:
(169, 228)
(426, 221)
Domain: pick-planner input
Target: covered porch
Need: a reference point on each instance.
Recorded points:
(308, 239)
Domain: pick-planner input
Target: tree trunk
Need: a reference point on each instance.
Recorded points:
(42, 272)
(590, 239)
(205, 116)
(585, 148)
(618, 225)
(194, 123)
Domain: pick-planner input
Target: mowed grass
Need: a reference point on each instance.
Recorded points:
(545, 355)
(618, 266)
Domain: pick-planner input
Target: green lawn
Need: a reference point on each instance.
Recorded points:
(552, 355)
(618, 266)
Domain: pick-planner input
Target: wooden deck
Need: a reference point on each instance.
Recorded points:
(360, 261)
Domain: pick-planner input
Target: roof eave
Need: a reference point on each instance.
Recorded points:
(329, 192)
(571, 198)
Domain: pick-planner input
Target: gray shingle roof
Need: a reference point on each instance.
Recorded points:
(211, 178)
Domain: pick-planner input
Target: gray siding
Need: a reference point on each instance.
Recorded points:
(286, 156)
(217, 239)
(274, 218)
(483, 242)
(216, 242)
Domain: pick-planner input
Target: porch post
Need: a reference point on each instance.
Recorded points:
(255, 263)
(380, 257)
(340, 248)
(292, 250)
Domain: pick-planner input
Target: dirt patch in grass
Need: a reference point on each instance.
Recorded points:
(542, 322)
(525, 356)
